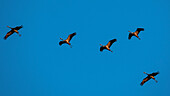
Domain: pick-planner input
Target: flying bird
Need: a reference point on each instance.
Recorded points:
(67, 41)
(12, 31)
(135, 33)
(109, 44)
(149, 77)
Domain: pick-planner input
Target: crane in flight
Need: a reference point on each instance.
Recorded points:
(149, 77)
(13, 30)
(67, 41)
(109, 44)
(135, 33)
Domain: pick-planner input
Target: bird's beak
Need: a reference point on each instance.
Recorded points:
(100, 44)
(129, 31)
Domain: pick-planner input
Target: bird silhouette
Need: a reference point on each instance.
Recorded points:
(109, 44)
(67, 41)
(135, 33)
(149, 77)
(12, 31)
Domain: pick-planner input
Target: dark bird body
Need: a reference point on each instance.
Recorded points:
(13, 30)
(150, 76)
(135, 33)
(67, 41)
(108, 45)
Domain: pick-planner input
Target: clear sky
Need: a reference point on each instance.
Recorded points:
(35, 65)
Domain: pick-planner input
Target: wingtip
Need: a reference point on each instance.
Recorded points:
(5, 38)
(114, 40)
(60, 43)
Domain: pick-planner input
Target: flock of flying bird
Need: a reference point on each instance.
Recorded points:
(107, 47)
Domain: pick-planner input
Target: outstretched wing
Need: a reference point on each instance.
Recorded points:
(111, 42)
(71, 36)
(8, 34)
(155, 73)
(145, 80)
(139, 29)
(18, 27)
(130, 35)
(102, 48)
(61, 42)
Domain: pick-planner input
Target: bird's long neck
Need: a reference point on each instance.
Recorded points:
(130, 31)
(145, 73)
(9, 27)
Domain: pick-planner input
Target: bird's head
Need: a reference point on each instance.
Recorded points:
(144, 72)
(101, 45)
(129, 31)
(61, 38)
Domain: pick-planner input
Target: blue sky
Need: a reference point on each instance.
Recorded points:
(35, 65)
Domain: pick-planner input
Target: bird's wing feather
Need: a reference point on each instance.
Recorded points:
(71, 36)
(8, 34)
(101, 48)
(111, 42)
(130, 35)
(61, 42)
(154, 74)
(145, 80)
(18, 27)
(139, 29)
